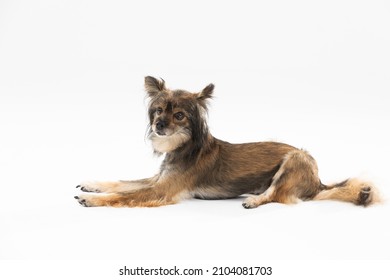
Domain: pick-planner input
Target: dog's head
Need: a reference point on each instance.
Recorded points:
(176, 117)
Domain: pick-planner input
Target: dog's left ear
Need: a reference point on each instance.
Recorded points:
(206, 93)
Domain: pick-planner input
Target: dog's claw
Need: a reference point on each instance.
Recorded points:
(84, 189)
(88, 187)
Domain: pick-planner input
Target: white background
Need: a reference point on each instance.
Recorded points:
(314, 74)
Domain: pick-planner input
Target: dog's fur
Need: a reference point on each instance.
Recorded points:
(198, 165)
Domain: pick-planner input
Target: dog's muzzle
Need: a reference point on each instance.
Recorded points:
(160, 127)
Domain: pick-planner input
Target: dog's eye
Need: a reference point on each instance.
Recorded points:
(159, 111)
(179, 116)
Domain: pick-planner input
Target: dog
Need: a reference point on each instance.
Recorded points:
(198, 165)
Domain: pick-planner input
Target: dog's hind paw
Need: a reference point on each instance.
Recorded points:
(246, 205)
(249, 203)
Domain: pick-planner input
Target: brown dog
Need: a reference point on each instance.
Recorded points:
(198, 165)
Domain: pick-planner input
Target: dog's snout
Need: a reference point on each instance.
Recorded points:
(161, 124)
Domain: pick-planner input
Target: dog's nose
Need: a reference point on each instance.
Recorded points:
(160, 125)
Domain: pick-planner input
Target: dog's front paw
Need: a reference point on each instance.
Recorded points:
(89, 187)
(84, 200)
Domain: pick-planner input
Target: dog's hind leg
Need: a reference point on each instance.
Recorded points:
(296, 179)
(254, 201)
(117, 186)
(279, 191)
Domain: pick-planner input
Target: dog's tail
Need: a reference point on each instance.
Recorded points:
(351, 190)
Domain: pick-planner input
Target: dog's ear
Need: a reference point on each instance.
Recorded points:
(153, 86)
(206, 93)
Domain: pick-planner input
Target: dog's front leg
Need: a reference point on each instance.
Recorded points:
(150, 197)
(117, 186)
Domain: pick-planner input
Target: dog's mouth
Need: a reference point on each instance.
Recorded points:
(160, 133)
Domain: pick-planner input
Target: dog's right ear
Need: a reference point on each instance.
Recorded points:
(153, 86)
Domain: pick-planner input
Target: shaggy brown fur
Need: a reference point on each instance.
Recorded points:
(198, 165)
